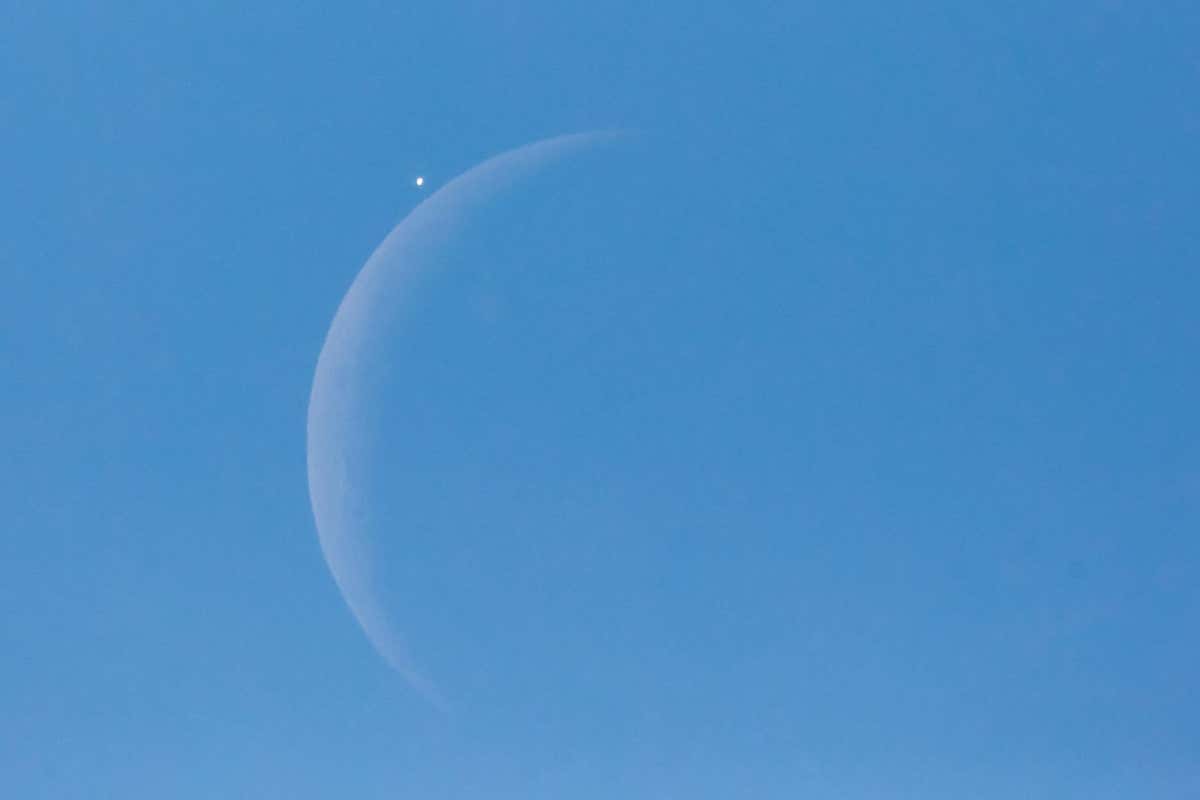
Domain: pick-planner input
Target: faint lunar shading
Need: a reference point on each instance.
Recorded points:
(340, 412)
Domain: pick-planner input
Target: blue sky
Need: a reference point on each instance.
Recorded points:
(836, 438)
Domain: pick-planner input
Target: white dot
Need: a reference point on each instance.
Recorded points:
(420, 181)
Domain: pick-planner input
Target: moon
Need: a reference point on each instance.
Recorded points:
(340, 411)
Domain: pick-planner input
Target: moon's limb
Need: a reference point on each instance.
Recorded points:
(339, 410)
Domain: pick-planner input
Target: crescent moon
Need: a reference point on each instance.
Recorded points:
(339, 408)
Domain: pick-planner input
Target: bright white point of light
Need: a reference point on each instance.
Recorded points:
(420, 181)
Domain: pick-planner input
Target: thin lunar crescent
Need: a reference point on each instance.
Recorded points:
(339, 433)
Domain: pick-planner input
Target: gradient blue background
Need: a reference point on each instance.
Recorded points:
(912, 514)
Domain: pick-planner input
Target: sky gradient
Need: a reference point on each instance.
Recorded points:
(835, 439)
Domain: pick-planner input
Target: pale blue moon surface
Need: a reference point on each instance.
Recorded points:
(343, 416)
